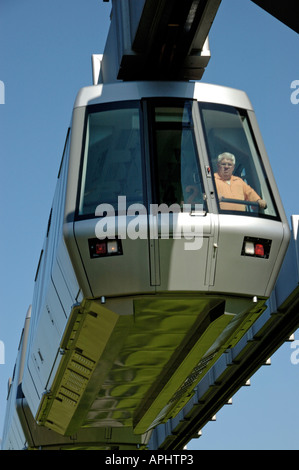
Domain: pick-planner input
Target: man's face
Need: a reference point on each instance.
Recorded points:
(225, 169)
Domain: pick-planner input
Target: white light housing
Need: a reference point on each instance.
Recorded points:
(112, 246)
(249, 248)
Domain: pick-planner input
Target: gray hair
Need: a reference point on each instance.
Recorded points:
(227, 155)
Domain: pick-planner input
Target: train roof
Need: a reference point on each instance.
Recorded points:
(124, 91)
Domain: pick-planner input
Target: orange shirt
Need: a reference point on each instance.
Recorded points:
(235, 189)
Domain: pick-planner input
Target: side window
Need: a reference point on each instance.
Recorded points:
(112, 162)
(240, 180)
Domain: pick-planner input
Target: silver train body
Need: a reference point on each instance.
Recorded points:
(147, 275)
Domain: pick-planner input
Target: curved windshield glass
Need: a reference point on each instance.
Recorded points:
(112, 163)
(240, 180)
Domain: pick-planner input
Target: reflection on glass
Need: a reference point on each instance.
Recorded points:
(112, 159)
(178, 178)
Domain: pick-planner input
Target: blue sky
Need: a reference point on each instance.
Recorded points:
(45, 58)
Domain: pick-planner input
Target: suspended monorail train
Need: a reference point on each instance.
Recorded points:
(149, 270)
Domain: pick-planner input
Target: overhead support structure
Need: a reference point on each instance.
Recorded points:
(287, 12)
(158, 40)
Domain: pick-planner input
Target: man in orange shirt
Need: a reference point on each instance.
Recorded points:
(232, 187)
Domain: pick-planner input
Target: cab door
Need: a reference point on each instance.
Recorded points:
(182, 230)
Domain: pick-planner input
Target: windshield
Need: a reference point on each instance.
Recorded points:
(113, 163)
(241, 184)
(177, 175)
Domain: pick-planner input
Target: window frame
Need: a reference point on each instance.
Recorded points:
(94, 109)
(243, 114)
(171, 102)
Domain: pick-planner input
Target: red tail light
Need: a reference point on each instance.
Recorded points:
(259, 249)
(256, 247)
(101, 248)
